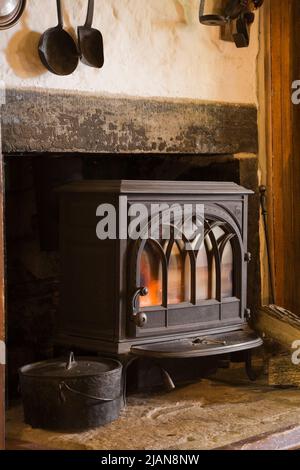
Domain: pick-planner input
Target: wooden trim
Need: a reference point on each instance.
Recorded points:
(283, 439)
(265, 137)
(2, 307)
(282, 169)
(2, 411)
(295, 163)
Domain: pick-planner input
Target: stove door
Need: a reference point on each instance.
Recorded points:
(187, 283)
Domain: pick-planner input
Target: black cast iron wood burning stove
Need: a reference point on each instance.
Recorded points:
(153, 296)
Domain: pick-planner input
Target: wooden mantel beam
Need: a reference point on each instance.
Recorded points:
(55, 121)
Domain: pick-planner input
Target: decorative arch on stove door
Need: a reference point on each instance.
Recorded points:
(188, 287)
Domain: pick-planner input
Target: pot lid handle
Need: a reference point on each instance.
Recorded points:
(71, 361)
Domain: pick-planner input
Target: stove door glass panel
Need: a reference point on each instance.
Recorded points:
(203, 275)
(179, 270)
(227, 272)
(179, 275)
(151, 276)
(227, 289)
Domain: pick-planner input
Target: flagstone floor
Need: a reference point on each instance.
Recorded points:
(209, 414)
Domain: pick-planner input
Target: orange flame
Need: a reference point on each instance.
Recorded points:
(154, 297)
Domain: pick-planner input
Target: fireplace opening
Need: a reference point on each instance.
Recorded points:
(173, 276)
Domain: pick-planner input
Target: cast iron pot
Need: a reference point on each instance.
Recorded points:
(73, 395)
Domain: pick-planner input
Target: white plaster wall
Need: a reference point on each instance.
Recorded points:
(152, 48)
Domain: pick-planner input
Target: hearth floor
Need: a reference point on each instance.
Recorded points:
(209, 414)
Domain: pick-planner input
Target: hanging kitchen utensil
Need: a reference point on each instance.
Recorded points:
(211, 13)
(72, 395)
(90, 41)
(235, 8)
(10, 12)
(242, 35)
(57, 49)
(220, 12)
(258, 3)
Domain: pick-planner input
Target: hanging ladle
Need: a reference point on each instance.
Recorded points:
(90, 41)
(57, 49)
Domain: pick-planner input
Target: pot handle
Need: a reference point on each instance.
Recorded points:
(71, 361)
(63, 385)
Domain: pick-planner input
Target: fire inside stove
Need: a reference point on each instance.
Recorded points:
(180, 273)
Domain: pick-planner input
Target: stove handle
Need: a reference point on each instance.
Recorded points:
(139, 318)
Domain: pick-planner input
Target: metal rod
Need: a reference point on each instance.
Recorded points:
(263, 203)
(167, 380)
(59, 13)
(90, 14)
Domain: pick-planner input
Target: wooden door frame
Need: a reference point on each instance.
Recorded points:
(2, 307)
(281, 147)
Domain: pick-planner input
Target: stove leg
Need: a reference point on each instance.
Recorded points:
(167, 379)
(248, 365)
(126, 363)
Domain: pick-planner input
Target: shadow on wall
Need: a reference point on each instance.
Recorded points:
(181, 16)
(22, 52)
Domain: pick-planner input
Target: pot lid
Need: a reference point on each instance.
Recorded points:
(80, 367)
